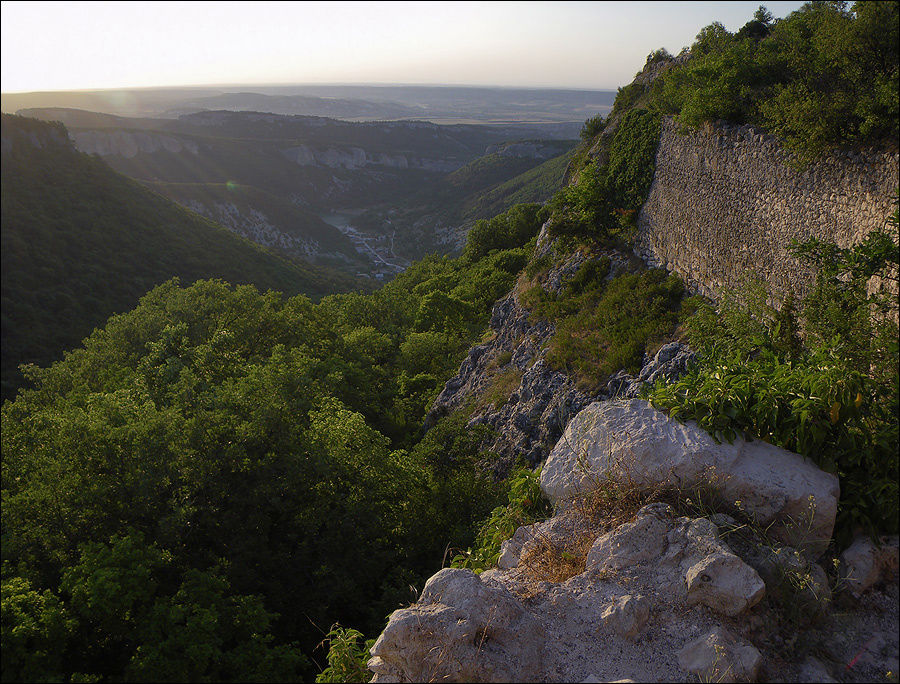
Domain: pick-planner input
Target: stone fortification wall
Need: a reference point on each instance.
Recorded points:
(725, 202)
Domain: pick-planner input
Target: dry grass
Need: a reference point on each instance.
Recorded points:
(601, 505)
(501, 388)
(550, 560)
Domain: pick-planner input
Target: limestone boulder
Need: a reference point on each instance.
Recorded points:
(720, 656)
(725, 583)
(630, 440)
(461, 629)
(865, 563)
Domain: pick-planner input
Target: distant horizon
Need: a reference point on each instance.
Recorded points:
(190, 86)
(92, 46)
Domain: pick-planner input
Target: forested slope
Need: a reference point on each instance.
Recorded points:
(80, 242)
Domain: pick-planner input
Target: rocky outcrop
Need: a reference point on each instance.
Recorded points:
(529, 422)
(630, 440)
(18, 131)
(129, 144)
(529, 149)
(650, 592)
(671, 362)
(660, 598)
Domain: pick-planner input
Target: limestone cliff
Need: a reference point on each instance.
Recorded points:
(728, 200)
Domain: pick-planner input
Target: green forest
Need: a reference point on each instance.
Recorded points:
(234, 463)
(81, 242)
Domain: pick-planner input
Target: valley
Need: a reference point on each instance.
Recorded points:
(403, 189)
(378, 247)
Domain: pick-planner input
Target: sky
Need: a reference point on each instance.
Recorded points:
(593, 45)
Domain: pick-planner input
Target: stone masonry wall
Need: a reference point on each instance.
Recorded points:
(724, 203)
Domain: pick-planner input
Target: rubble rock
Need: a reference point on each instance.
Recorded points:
(627, 615)
(866, 563)
(719, 656)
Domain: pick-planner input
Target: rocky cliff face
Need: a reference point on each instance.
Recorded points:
(129, 144)
(539, 401)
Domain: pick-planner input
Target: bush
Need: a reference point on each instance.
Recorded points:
(526, 505)
(834, 398)
(825, 76)
(603, 326)
(585, 208)
(347, 657)
(505, 231)
(592, 128)
(605, 200)
(626, 97)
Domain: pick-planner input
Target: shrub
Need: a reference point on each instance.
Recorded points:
(347, 657)
(526, 505)
(632, 158)
(592, 127)
(834, 398)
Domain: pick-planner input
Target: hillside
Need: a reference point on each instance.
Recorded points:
(81, 242)
(400, 178)
(284, 227)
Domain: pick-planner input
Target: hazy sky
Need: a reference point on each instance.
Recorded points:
(85, 45)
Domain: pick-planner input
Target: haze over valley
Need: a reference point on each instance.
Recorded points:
(362, 196)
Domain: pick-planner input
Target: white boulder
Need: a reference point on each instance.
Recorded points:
(461, 629)
(630, 440)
